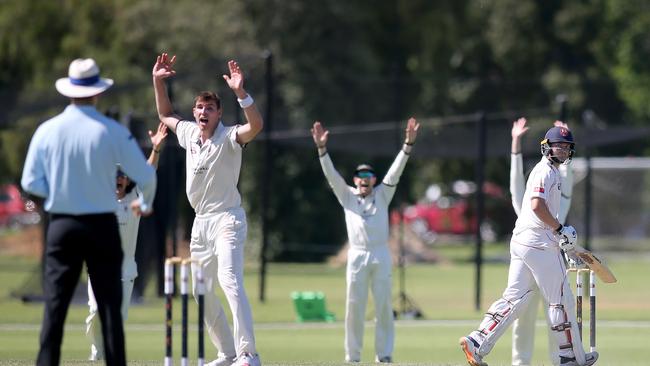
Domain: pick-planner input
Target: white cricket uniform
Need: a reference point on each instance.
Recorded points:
(523, 328)
(128, 225)
(536, 261)
(218, 232)
(369, 260)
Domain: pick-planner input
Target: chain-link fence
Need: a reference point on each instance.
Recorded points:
(618, 204)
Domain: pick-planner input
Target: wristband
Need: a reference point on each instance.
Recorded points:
(411, 144)
(144, 208)
(246, 102)
(559, 229)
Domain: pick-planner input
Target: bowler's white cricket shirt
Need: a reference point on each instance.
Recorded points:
(366, 218)
(543, 182)
(212, 167)
(128, 224)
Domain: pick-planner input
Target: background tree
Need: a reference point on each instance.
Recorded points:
(345, 63)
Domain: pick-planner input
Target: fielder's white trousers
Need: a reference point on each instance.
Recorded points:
(218, 242)
(369, 269)
(93, 325)
(523, 334)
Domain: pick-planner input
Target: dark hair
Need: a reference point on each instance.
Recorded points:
(129, 187)
(208, 96)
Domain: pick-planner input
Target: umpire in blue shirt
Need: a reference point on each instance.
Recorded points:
(71, 163)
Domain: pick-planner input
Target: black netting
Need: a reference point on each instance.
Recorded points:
(620, 203)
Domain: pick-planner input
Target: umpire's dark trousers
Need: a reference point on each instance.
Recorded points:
(71, 240)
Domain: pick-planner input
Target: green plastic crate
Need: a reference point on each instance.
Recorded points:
(310, 307)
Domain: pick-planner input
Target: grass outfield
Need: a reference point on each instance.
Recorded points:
(444, 293)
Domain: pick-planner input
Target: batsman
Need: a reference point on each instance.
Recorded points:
(536, 259)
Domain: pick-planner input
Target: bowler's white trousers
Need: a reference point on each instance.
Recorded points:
(369, 268)
(218, 243)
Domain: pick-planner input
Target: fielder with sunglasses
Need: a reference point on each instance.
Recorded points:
(369, 261)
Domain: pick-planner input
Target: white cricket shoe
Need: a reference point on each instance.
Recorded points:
(349, 359)
(385, 359)
(95, 353)
(590, 357)
(222, 360)
(248, 359)
(470, 348)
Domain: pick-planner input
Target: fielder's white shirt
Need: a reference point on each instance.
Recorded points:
(543, 182)
(366, 218)
(128, 224)
(212, 167)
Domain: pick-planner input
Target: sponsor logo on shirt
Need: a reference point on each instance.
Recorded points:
(538, 189)
(200, 170)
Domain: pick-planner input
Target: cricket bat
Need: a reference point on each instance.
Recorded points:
(595, 264)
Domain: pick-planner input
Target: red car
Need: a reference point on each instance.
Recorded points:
(455, 213)
(14, 210)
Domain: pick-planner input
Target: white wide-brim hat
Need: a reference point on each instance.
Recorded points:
(83, 80)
